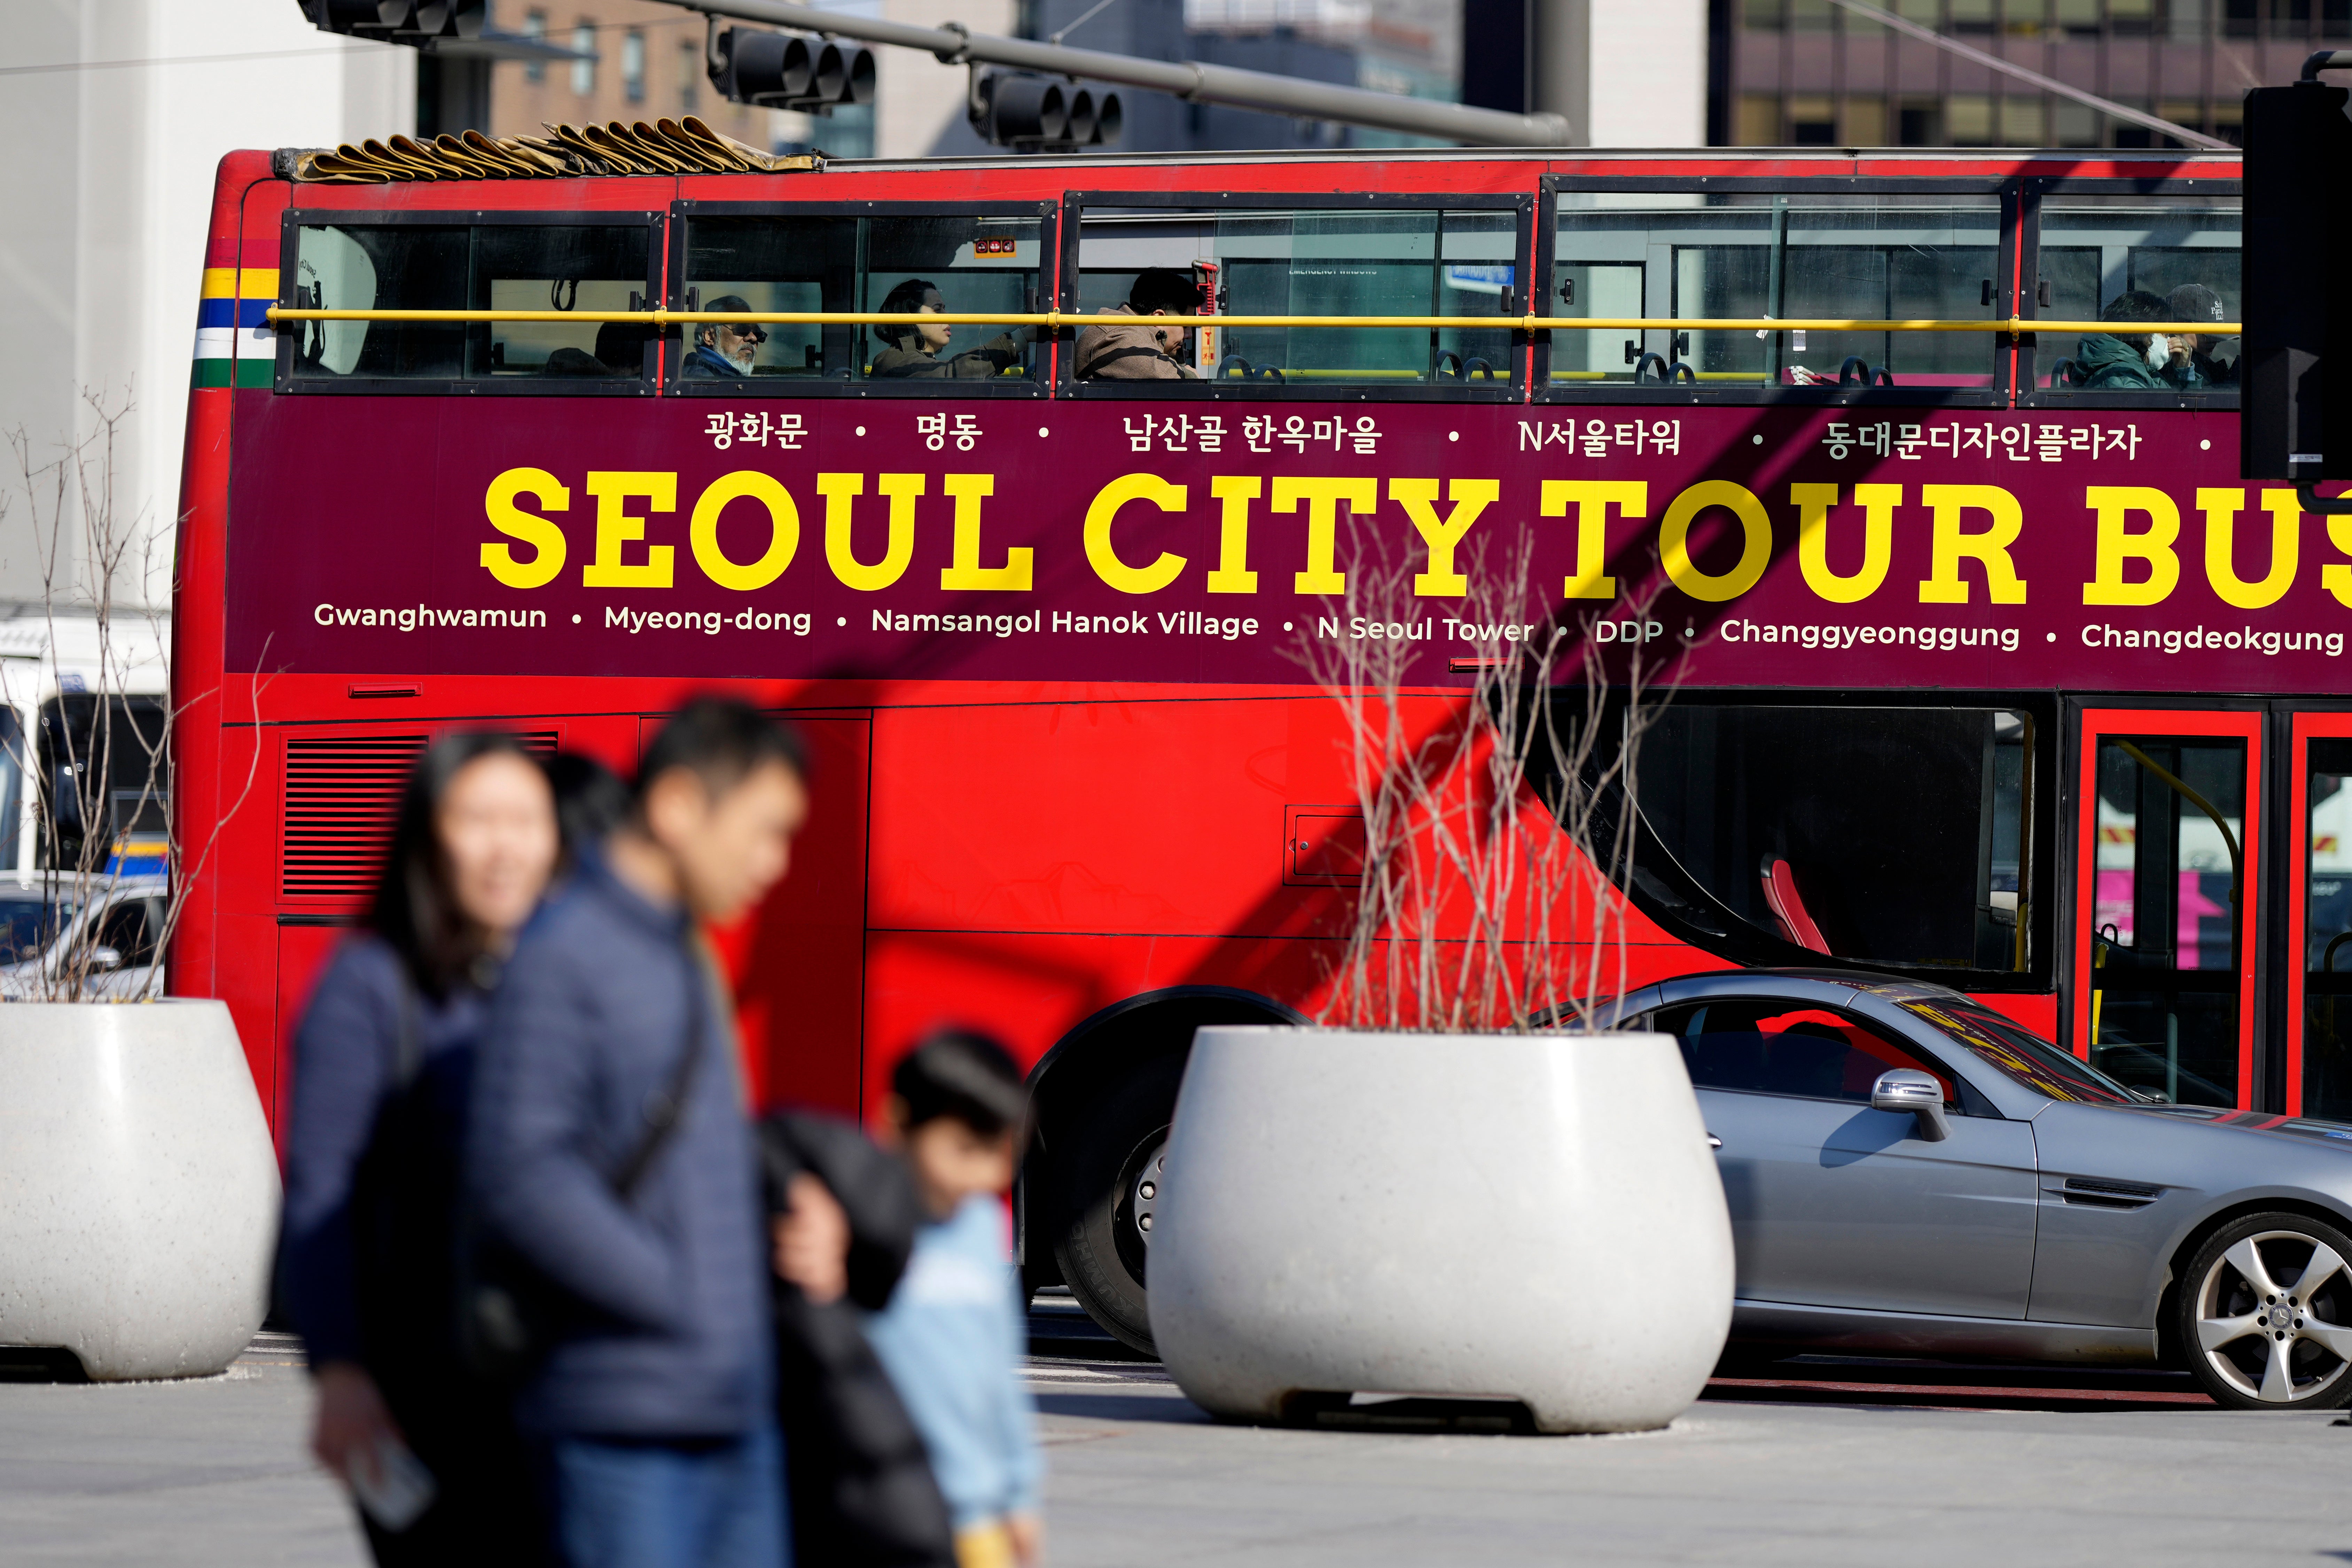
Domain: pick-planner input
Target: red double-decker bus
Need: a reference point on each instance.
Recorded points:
(1991, 669)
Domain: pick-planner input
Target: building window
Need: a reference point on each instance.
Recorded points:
(534, 28)
(633, 65)
(1759, 120)
(689, 76)
(583, 70)
(1812, 123)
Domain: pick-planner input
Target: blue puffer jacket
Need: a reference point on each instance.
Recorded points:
(585, 1031)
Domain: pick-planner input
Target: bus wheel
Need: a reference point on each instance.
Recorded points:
(1109, 1184)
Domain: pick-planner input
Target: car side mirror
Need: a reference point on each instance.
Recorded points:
(104, 959)
(1909, 1089)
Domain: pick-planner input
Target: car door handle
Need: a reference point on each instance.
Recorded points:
(1713, 1142)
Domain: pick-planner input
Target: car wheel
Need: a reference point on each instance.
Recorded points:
(1109, 1183)
(2265, 1314)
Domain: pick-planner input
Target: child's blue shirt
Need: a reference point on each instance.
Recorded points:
(952, 1339)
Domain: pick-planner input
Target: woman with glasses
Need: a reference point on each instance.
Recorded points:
(915, 348)
(724, 348)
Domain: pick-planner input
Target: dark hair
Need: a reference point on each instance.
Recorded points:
(1164, 288)
(414, 910)
(722, 742)
(2192, 302)
(965, 1076)
(590, 800)
(904, 301)
(731, 303)
(2135, 305)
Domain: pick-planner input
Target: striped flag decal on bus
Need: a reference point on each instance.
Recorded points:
(234, 346)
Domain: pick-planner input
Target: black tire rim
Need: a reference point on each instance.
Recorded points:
(1141, 1183)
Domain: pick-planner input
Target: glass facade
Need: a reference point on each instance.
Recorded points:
(1810, 73)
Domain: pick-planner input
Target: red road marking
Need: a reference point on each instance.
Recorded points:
(1896, 1393)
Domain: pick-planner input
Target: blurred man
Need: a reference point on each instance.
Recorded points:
(611, 1156)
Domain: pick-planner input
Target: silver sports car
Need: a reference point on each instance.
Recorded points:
(1909, 1173)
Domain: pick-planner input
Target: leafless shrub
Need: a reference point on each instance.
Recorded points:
(108, 780)
(1498, 823)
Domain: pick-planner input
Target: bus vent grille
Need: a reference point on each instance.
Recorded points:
(342, 795)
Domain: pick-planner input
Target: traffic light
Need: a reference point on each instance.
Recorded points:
(399, 21)
(1041, 113)
(785, 70)
(2295, 399)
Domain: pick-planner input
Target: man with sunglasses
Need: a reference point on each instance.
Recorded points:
(724, 348)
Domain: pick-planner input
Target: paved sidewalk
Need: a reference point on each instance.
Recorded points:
(1817, 1465)
(1140, 1477)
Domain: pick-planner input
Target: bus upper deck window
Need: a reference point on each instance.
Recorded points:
(390, 267)
(912, 266)
(1739, 254)
(559, 268)
(2138, 259)
(1310, 262)
(489, 267)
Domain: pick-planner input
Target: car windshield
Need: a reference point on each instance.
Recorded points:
(2032, 1060)
(28, 923)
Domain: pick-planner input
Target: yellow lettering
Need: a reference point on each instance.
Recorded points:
(542, 536)
(1812, 503)
(1593, 498)
(1756, 548)
(2336, 577)
(1104, 510)
(1419, 497)
(616, 530)
(783, 529)
(840, 492)
(1948, 543)
(2220, 508)
(2116, 545)
(1323, 496)
(1233, 574)
(964, 571)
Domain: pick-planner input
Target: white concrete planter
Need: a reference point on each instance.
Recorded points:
(1536, 1217)
(138, 1186)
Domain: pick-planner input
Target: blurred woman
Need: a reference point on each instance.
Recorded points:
(384, 1064)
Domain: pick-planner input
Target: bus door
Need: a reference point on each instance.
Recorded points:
(2166, 901)
(2318, 948)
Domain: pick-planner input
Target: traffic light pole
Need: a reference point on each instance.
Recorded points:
(1187, 79)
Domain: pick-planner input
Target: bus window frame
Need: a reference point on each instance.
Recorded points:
(1048, 245)
(1996, 394)
(1074, 202)
(2031, 391)
(2089, 718)
(295, 219)
(1745, 945)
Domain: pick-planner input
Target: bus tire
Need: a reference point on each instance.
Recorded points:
(1101, 1248)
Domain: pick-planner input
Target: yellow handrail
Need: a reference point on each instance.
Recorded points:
(2015, 326)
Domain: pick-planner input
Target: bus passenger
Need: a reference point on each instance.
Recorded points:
(2127, 362)
(915, 349)
(384, 1059)
(2193, 366)
(1140, 351)
(724, 348)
